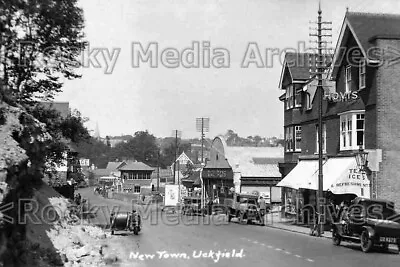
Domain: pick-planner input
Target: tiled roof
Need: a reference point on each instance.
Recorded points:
(299, 64)
(101, 172)
(266, 170)
(113, 165)
(136, 166)
(370, 25)
(164, 173)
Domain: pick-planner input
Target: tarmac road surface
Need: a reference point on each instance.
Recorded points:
(179, 240)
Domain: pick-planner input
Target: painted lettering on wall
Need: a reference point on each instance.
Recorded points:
(341, 97)
(214, 174)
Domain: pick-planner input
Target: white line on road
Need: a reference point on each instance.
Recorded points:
(298, 256)
(288, 252)
(270, 247)
(310, 260)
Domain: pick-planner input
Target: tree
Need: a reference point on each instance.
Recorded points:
(42, 40)
(189, 169)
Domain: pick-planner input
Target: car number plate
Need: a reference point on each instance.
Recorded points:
(388, 239)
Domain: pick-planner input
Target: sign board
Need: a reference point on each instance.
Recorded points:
(352, 182)
(184, 191)
(211, 173)
(84, 162)
(171, 195)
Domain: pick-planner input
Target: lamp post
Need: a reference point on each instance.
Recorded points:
(362, 164)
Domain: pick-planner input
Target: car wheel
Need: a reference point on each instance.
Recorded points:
(366, 242)
(336, 238)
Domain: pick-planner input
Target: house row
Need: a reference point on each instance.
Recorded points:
(360, 110)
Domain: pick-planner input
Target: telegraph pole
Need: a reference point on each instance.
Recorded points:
(320, 67)
(203, 126)
(158, 171)
(176, 133)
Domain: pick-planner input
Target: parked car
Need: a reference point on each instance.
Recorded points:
(243, 207)
(369, 222)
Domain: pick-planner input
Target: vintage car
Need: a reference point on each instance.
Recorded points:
(369, 222)
(192, 206)
(243, 207)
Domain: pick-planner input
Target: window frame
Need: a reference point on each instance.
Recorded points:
(362, 75)
(136, 186)
(347, 78)
(350, 119)
(297, 144)
(289, 142)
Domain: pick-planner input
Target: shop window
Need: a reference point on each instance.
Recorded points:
(352, 128)
(136, 189)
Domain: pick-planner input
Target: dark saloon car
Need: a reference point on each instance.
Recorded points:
(370, 222)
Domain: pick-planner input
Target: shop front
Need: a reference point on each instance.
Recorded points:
(342, 181)
(218, 184)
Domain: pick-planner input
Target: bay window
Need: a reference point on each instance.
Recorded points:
(352, 129)
(293, 98)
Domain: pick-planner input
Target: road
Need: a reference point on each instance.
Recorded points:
(178, 240)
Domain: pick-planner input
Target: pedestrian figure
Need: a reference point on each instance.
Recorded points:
(263, 207)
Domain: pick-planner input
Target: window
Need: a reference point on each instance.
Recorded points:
(360, 129)
(136, 189)
(362, 74)
(323, 138)
(297, 99)
(297, 133)
(352, 128)
(293, 98)
(293, 138)
(289, 97)
(289, 138)
(308, 101)
(348, 79)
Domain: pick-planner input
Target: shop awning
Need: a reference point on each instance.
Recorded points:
(300, 175)
(340, 175)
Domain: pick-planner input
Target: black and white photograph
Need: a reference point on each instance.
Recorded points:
(199, 133)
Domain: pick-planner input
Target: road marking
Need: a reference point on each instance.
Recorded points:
(278, 249)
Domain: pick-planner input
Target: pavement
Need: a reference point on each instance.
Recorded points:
(179, 240)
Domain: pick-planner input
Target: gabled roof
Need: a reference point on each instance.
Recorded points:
(164, 173)
(184, 157)
(298, 65)
(365, 27)
(113, 165)
(136, 166)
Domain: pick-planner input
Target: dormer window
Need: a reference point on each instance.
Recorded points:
(348, 79)
(362, 75)
(293, 98)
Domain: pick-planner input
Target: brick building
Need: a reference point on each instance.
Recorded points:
(360, 109)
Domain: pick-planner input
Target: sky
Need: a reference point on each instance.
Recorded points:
(122, 98)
